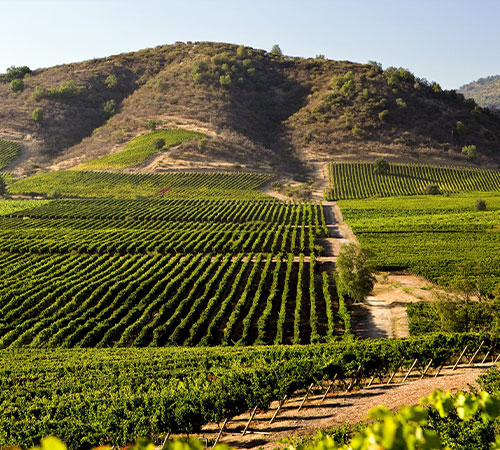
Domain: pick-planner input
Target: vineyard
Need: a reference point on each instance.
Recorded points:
(86, 396)
(359, 180)
(430, 236)
(165, 271)
(8, 152)
(124, 185)
(140, 149)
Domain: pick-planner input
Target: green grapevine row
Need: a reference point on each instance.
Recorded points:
(358, 180)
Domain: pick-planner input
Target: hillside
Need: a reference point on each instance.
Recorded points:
(258, 110)
(485, 91)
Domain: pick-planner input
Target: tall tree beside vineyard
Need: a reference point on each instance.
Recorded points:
(355, 271)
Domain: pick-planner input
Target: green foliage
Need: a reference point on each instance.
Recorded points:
(470, 151)
(359, 180)
(480, 204)
(2, 186)
(382, 115)
(159, 143)
(17, 73)
(151, 125)
(17, 85)
(432, 189)
(276, 50)
(401, 103)
(381, 166)
(110, 107)
(395, 76)
(140, 149)
(111, 81)
(124, 185)
(461, 128)
(432, 236)
(66, 89)
(9, 151)
(37, 115)
(147, 391)
(355, 272)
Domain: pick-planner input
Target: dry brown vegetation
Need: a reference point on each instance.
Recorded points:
(261, 111)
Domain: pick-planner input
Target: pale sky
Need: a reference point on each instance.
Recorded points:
(451, 42)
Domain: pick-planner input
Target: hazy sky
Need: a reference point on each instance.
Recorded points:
(449, 41)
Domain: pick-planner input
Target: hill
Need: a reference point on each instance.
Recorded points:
(485, 91)
(258, 111)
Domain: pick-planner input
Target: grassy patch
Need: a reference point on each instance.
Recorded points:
(140, 149)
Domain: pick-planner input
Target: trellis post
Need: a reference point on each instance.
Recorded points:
(280, 404)
(476, 352)
(305, 396)
(426, 369)
(252, 415)
(220, 432)
(409, 371)
(460, 357)
(329, 388)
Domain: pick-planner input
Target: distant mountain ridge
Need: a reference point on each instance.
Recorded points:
(485, 91)
(260, 110)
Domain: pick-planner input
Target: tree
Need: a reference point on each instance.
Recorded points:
(37, 115)
(276, 50)
(381, 166)
(17, 85)
(2, 186)
(461, 128)
(18, 73)
(355, 271)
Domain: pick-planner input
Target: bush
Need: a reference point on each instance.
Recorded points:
(401, 103)
(480, 205)
(381, 166)
(110, 107)
(469, 151)
(37, 115)
(17, 85)
(382, 115)
(151, 125)
(159, 143)
(461, 128)
(432, 189)
(202, 143)
(111, 81)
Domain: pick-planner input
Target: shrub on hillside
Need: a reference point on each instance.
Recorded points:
(470, 151)
(461, 128)
(151, 125)
(110, 107)
(111, 81)
(17, 85)
(37, 115)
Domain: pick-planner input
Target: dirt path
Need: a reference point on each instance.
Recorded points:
(337, 409)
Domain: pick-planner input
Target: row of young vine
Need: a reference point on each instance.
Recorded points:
(360, 180)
